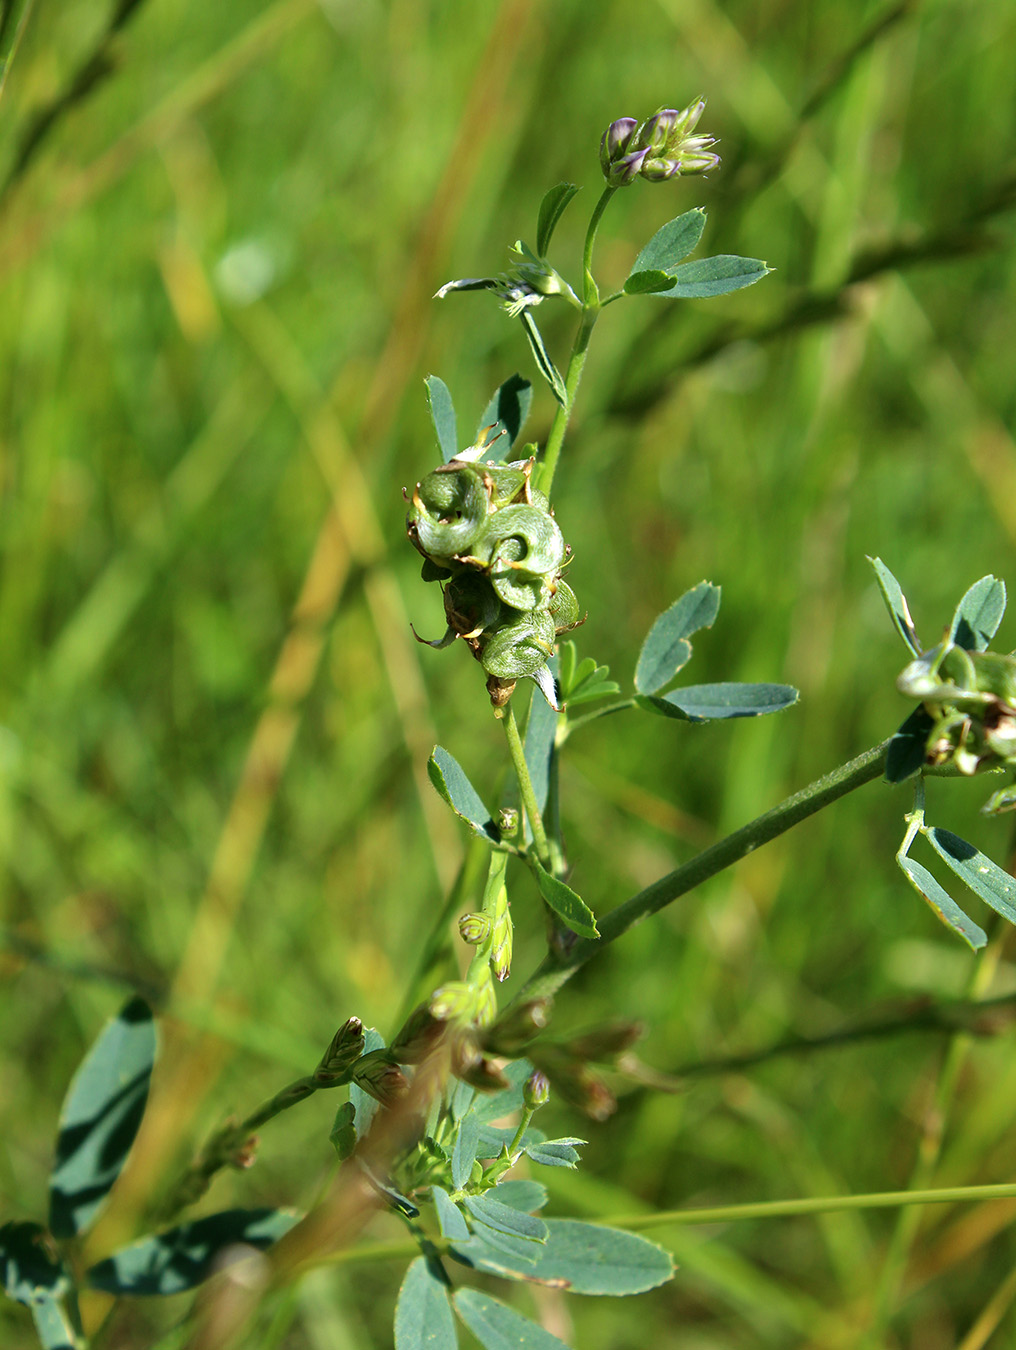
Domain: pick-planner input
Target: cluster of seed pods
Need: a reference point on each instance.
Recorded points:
(490, 537)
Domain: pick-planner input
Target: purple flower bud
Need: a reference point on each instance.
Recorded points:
(657, 132)
(688, 118)
(700, 163)
(626, 169)
(659, 170)
(536, 1091)
(616, 140)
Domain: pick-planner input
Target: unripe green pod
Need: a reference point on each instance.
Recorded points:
(519, 648)
(563, 607)
(449, 510)
(471, 604)
(522, 548)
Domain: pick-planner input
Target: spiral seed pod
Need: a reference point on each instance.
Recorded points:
(564, 608)
(519, 648)
(523, 549)
(448, 512)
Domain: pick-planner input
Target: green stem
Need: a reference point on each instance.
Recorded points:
(526, 790)
(558, 967)
(577, 360)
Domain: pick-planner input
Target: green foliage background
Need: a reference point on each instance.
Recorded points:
(215, 322)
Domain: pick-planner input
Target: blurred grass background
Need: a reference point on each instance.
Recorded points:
(216, 258)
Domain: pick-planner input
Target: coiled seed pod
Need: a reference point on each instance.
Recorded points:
(523, 549)
(519, 648)
(448, 512)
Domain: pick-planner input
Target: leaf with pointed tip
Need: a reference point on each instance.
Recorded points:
(666, 648)
(541, 356)
(976, 870)
(668, 247)
(551, 210)
(468, 284)
(715, 702)
(896, 604)
(908, 747)
(564, 902)
(100, 1117)
(423, 1314)
(498, 1327)
(506, 411)
(544, 679)
(539, 746)
(942, 903)
(450, 780)
(978, 614)
(701, 279)
(181, 1258)
(553, 1152)
(442, 413)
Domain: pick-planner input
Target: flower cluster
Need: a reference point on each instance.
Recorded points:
(970, 697)
(661, 148)
(490, 537)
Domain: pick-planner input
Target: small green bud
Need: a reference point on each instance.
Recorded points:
(345, 1049)
(380, 1078)
(502, 940)
(536, 1090)
(474, 928)
(476, 1069)
(453, 1002)
(343, 1132)
(508, 822)
(519, 1026)
(419, 1037)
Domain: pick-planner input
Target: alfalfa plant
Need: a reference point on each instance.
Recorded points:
(440, 1121)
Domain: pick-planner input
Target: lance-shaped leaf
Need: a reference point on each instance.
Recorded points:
(714, 702)
(976, 870)
(449, 1216)
(505, 1218)
(666, 648)
(539, 745)
(908, 747)
(551, 210)
(978, 614)
(669, 246)
(942, 903)
(896, 604)
(464, 1153)
(701, 279)
(583, 1258)
(450, 779)
(498, 1327)
(442, 413)
(507, 411)
(423, 1315)
(564, 902)
(541, 356)
(181, 1258)
(100, 1117)
(553, 1152)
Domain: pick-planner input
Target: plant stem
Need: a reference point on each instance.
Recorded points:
(577, 360)
(558, 967)
(526, 790)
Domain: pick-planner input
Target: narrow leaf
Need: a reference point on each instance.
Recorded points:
(53, 1325)
(670, 244)
(541, 729)
(908, 747)
(505, 1218)
(976, 870)
(896, 604)
(451, 782)
(464, 1154)
(423, 1315)
(978, 614)
(546, 366)
(167, 1263)
(506, 411)
(714, 702)
(498, 1327)
(583, 1258)
(100, 1117)
(553, 1152)
(666, 648)
(707, 277)
(442, 413)
(13, 22)
(942, 903)
(551, 210)
(564, 902)
(449, 1216)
